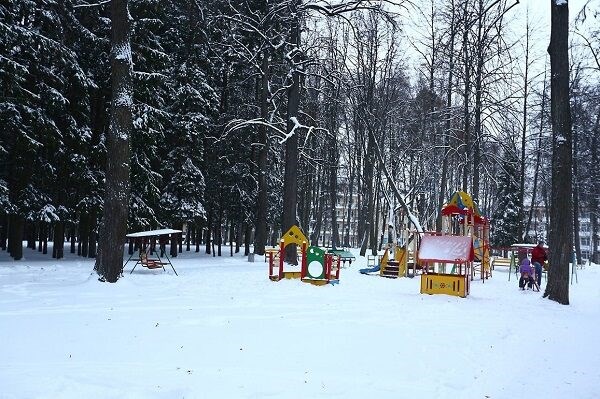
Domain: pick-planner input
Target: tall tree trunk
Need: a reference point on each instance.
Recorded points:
(3, 230)
(180, 237)
(561, 214)
(82, 248)
(17, 227)
(368, 193)
(15, 236)
(198, 236)
(375, 213)
(467, 122)
(30, 233)
(522, 233)
(537, 160)
(361, 208)
(116, 195)
(44, 238)
(260, 237)
(175, 240)
(318, 214)
(219, 230)
(448, 123)
(209, 227)
(335, 235)
(238, 236)
(247, 235)
(188, 236)
(576, 224)
(10, 234)
(350, 217)
(478, 136)
(59, 240)
(595, 194)
(92, 233)
(290, 183)
(72, 237)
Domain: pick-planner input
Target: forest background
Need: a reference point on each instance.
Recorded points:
(447, 95)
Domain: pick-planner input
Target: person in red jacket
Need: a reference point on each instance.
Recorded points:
(538, 257)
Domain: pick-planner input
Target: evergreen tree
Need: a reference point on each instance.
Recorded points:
(151, 119)
(93, 48)
(193, 109)
(505, 219)
(43, 112)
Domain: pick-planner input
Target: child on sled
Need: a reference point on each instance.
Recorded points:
(527, 275)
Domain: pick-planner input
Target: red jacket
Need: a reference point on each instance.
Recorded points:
(538, 254)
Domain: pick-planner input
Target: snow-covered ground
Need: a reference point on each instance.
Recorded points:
(221, 329)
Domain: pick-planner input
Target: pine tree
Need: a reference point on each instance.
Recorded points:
(151, 119)
(93, 48)
(505, 219)
(43, 114)
(193, 108)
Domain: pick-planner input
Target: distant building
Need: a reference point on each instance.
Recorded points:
(347, 223)
(538, 230)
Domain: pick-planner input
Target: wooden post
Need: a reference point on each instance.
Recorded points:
(304, 264)
(281, 256)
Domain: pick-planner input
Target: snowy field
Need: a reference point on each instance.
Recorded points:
(221, 329)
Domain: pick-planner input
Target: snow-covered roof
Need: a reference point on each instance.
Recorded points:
(522, 245)
(152, 233)
(446, 249)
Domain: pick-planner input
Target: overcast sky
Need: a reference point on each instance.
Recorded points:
(539, 16)
(539, 11)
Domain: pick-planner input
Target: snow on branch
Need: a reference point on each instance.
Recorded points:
(335, 8)
(101, 3)
(240, 124)
(297, 125)
(397, 194)
(122, 51)
(237, 124)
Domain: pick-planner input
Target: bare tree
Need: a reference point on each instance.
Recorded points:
(595, 195)
(290, 183)
(538, 160)
(521, 232)
(453, 29)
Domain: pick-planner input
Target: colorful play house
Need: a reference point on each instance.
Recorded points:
(446, 250)
(317, 267)
(463, 245)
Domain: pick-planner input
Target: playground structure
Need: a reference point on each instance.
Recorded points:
(390, 267)
(441, 250)
(461, 217)
(463, 243)
(145, 244)
(317, 267)
(398, 258)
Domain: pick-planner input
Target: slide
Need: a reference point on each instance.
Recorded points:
(368, 270)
